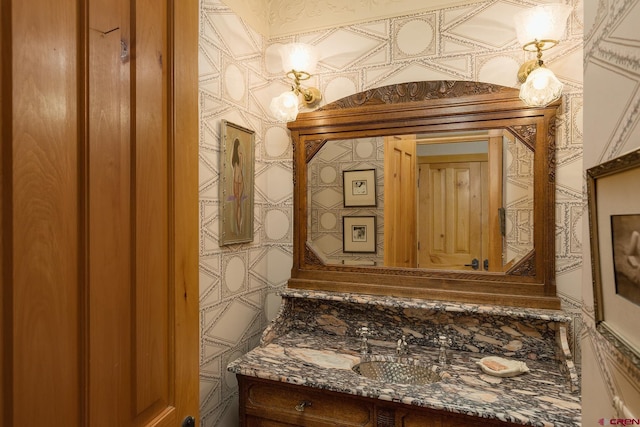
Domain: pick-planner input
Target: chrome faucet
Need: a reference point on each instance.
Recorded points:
(401, 348)
(365, 333)
(444, 342)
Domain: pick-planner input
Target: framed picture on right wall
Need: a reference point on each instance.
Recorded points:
(614, 219)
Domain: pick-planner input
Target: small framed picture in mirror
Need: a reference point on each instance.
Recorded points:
(359, 234)
(359, 188)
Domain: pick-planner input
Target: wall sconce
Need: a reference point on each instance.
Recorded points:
(540, 28)
(299, 60)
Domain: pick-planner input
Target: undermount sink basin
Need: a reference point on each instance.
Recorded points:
(397, 372)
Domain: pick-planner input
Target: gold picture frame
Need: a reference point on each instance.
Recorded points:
(614, 219)
(237, 154)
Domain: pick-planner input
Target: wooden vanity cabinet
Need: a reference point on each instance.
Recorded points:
(266, 403)
(271, 403)
(422, 417)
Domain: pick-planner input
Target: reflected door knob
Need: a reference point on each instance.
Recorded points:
(475, 264)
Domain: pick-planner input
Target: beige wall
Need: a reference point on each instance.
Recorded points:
(612, 78)
(240, 73)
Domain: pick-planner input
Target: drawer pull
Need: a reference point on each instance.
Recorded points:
(300, 406)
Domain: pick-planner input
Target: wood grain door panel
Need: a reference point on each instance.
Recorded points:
(400, 201)
(451, 215)
(40, 235)
(99, 213)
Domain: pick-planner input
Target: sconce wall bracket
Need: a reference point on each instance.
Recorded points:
(526, 69)
(311, 96)
(538, 45)
(534, 46)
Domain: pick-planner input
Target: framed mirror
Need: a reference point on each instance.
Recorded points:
(448, 185)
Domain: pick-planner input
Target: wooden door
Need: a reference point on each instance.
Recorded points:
(400, 201)
(99, 213)
(452, 212)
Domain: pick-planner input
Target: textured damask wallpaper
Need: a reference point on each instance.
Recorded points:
(240, 73)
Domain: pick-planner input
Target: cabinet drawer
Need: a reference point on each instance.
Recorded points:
(278, 401)
(423, 417)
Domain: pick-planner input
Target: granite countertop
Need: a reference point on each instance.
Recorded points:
(540, 397)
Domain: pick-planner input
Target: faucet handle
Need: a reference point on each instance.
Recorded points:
(443, 341)
(365, 333)
(401, 347)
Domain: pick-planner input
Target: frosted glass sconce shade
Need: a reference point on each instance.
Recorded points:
(285, 107)
(544, 23)
(299, 57)
(541, 88)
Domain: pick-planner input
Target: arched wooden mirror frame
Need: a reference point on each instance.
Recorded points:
(432, 106)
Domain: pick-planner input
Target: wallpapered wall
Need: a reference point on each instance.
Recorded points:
(612, 95)
(327, 199)
(240, 73)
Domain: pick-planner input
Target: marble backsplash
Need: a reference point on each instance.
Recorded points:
(510, 332)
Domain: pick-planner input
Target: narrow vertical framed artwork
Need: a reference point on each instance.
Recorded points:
(236, 183)
(614, 218)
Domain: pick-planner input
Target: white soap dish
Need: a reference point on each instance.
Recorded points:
(501, 367)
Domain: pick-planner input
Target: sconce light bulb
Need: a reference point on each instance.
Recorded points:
(289, 102)
(539, 22)
(299, 57)
(540, 81)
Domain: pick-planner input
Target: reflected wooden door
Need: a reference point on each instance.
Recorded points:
(99, 213)
(400, 201)
(452, 208)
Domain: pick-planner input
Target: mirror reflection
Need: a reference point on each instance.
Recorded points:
(458, 201)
